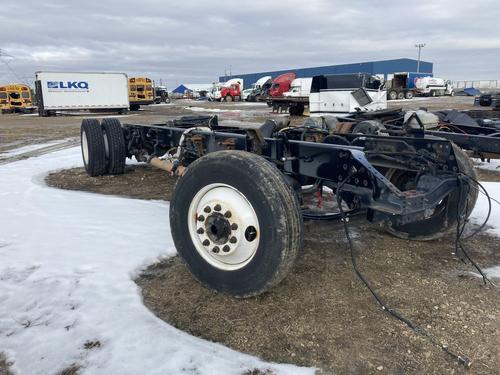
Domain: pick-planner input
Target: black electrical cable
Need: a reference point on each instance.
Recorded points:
(417, 329)
(485, 192)
(460, 231)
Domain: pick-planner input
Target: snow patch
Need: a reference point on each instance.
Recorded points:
(491, 272)
(493, 165)
(215, 110)
(29, 148)
(67, 263)
(481, 209)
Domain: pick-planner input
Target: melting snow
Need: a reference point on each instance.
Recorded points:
(215, 110)
(493, 165)
(29, 148)
(481, 209)
(67, 263)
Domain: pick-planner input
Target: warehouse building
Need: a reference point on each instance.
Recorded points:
(383, 67)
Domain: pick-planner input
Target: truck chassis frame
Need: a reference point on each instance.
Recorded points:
(237, 209)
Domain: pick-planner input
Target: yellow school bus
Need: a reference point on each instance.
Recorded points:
(140, 92)
(15, 98)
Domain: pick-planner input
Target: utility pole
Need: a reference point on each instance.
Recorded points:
(6, 63)
(419, 46)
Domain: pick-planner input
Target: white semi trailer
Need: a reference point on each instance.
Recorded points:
(71, 91)
(342, 94)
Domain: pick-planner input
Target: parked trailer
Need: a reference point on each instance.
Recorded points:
(402, 85)
(406, 85)
(71, 91)
(342, 94)
(237, 209)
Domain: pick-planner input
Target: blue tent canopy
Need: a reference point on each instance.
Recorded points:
(180, 90)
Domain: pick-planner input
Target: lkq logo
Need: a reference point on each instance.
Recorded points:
(68, 86)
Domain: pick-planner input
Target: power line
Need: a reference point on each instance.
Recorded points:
(2, 54)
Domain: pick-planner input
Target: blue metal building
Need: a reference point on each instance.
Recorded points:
(384, 67)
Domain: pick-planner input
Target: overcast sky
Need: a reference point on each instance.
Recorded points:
(194, 41)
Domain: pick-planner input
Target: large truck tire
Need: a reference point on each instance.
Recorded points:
(114, 143)
(401, 95)
(93, 147)
(392, 95)
(293, 110)
(300, 109)
(443, 221)
(409, 94)
(485, 100)
(236, 222)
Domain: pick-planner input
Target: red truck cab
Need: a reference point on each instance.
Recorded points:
(231, 90)
(281, 84)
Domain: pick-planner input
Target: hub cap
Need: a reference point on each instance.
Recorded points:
(85, 148)
(223, 226)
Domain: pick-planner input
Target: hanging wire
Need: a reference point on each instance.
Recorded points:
(463, 360)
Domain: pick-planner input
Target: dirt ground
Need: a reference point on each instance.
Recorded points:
(139, 181)
(321, 315)
(4, 365)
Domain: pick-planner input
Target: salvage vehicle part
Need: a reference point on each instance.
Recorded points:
(443, 216)
(236, 211)
(475, 131)
(302, 156)
(244, 228)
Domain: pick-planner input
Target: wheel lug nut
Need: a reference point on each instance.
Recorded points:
(217, 207)
(228, 214)
(216, 249)
(207, 209)
(226, 248)
(201, 218)
(206, 243)
(234, 226)
(233, 239)
(200, 231)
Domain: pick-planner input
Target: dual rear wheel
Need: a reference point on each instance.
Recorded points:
(103, 146)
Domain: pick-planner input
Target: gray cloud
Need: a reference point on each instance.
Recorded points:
(194, 41)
